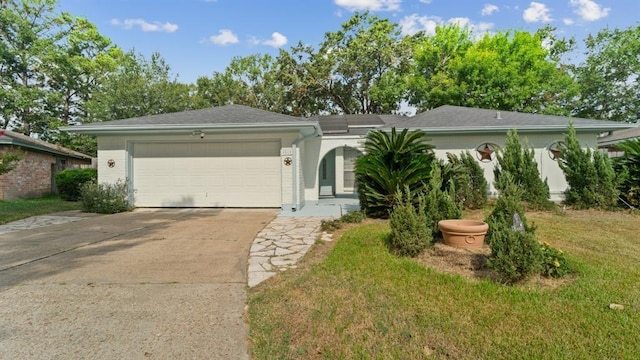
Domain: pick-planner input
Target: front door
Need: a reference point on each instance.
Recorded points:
(328, 174)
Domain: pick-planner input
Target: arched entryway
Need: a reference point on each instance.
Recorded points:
(336, 172)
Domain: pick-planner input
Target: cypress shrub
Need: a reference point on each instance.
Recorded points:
(520, 162)
(515, 255)
(409, 232)
(471, 185)
(589, 174)
(439, 204)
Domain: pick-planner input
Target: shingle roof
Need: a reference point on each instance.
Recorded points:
(228, 114)
(620, 135)
(219, 117)
(8, 137)
(450, 118)
(353, 124)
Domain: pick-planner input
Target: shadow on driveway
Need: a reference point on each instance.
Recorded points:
(167, 283)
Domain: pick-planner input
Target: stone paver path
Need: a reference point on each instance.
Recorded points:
(281, 244)
(37, 221)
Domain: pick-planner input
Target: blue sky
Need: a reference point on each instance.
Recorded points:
(198, 37)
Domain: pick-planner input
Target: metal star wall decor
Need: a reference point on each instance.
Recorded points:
(485, 151)
(555, 150)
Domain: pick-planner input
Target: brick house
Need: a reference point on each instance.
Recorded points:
(34, 173)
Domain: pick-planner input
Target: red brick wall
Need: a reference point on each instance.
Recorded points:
(32, 176)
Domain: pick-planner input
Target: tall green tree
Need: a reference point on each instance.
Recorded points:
(138, 87)
(50, 63)
(360, 68)
(511, 70)
(254, 80)
(609, 77)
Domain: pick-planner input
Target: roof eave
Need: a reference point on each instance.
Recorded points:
(36, 147)
(97, 129)
(523, 129)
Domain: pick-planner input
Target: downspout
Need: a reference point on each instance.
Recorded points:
(294, 150)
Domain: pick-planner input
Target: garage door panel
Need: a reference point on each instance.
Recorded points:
(207, 174)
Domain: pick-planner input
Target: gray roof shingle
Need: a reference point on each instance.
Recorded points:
(450, 118)
(8, 137)
(353, 124)
(620, 135)
(228, 114)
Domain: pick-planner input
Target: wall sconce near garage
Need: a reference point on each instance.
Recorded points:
(198, 133)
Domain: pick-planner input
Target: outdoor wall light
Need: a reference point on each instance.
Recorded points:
(198, 132)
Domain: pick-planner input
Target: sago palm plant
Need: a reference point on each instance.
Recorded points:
(392, 161)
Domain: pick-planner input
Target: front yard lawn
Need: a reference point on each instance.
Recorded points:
(20, 209)
(353, 299)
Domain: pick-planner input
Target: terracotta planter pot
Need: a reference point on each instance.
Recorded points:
(468, 234)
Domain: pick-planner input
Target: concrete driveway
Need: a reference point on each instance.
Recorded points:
(151, 284)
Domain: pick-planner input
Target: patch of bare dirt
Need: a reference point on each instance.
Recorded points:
(468, 263)
(471, 264)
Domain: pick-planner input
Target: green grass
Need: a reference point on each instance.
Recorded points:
(20, 209)
(362, 302)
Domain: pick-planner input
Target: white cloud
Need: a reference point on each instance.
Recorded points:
(373, 5)
(489, 9)
(413, 24)
(537, 12)
(277, 40)
(426, 1)
(589, 10)
(224, 37)
(145, 26)
(568, 21)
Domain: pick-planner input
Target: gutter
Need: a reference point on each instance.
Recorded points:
(294, 149)
(98, 129)
(493, 129)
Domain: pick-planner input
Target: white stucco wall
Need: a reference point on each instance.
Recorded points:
(549, 168)
(314, 151)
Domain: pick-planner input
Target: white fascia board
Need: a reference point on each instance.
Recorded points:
(97, 129)
(501, 129)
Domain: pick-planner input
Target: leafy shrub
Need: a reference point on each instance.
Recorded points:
(9, 160)
(70, 181)
(353, 217)
(392, 161)
(554, 263)
(409, 232)
(439, 204)
(629, 164)
(471, 185)
(515, 255)
(105, 198)
(589, 174)
(520, 162)
(330, 225)
(508, 204)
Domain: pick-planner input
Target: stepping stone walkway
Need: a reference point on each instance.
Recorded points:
(283, 242)
(36, 222)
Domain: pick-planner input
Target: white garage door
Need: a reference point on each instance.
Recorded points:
(207, 174)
